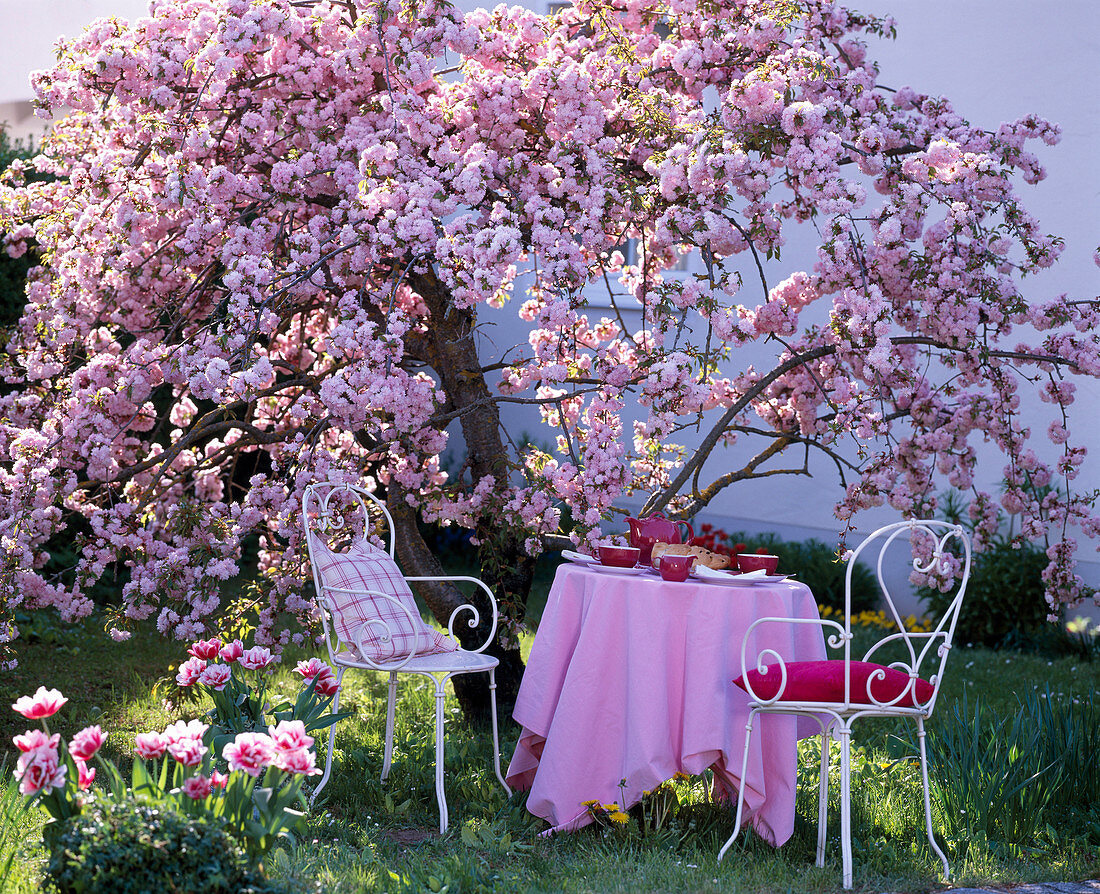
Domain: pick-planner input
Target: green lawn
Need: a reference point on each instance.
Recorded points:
(366, 836)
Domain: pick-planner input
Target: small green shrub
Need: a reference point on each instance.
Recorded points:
(1005, 603)
(815, 564)
(135, 847)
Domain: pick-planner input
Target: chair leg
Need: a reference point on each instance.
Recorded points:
(846, 804)
(331, 740)
(496, 736)
(928, 801)
(391, 702)
(823, 799)
(740, 789)
(440, 796)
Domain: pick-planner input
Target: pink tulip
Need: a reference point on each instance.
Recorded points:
(320, 674)
(216, 676)
(188, 752)
(206, 649)
(289, 735)
(250, 752)
(150, 746)
(190, 671)
(40, 771)
(35, 738)
(85, 775)
(326, 684)
(44, 703)
(256, 658)
(310, 669)
(196, 787)
(219, 780)
(184, 729)
(231, 652)
(301, 762)
(86, 743)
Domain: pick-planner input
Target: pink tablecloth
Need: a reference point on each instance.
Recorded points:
(630, 678)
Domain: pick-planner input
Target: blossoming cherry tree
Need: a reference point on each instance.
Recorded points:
(272, 231)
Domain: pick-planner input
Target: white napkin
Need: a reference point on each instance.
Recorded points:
(704, 572)
(578, 557)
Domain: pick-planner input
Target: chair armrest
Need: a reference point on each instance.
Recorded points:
(386, 635)
(475, 615)
(766, 657)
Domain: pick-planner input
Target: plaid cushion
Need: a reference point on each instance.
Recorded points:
(365, 567)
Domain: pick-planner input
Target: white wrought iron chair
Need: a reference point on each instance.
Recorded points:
(331, 515)
(840, 691)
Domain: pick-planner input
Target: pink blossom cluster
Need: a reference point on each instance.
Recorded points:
(269, 229)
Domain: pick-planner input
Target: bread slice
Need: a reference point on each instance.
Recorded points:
(702, 555)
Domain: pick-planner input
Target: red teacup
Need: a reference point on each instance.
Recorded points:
(675, 568)
(619, 556)
(756, 562)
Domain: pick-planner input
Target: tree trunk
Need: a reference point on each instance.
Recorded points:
(451, 350)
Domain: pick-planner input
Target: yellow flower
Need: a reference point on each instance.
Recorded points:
(617, 816)
(681, 777)
(595, 802)
(612, 806)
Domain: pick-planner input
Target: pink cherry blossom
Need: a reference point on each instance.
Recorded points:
(87, 742)
(250, 752)
(44, 703)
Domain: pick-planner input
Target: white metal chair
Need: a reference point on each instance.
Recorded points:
(840, 691)
(331, 516)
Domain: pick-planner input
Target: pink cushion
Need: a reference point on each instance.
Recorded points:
(365, 567)
(823, 681)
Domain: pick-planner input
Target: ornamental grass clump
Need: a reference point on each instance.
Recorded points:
(1003, 777)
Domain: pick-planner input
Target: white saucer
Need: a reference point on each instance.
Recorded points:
(729, 579)
(578, 558)
(611, 569)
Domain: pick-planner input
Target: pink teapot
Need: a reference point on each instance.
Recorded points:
(644, 532)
